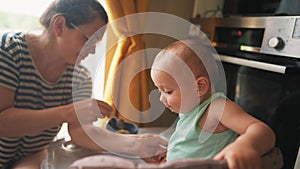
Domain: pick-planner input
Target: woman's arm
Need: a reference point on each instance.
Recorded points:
(96, 138)
(16, 122)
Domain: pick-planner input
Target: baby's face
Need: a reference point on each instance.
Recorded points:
(169, 90)
(171, 93)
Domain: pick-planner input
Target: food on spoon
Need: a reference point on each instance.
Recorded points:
(123, 131)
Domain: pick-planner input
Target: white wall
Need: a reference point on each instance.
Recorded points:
(207, 8)
(180, 8)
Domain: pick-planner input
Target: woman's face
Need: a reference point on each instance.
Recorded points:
(76, 39)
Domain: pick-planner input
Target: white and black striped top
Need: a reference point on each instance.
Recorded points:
(19, 74)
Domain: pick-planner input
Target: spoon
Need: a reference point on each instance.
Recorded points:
(120, 123)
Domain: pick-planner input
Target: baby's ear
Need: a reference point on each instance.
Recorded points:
(203, 85)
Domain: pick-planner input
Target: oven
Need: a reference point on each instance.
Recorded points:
(261, 59)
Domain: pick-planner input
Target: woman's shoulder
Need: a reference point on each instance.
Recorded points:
(10, 41)
(78, 69)
(8, 38)
(78, 72)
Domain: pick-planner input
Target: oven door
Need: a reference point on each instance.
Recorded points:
(269, 92)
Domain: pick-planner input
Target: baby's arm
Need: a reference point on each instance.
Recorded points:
(255, 139)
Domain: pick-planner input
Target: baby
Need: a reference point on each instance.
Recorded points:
(210, 125)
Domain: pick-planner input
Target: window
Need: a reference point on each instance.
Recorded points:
(23, 15)
(16, 15)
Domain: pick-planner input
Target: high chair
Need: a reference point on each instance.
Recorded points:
(271, 160)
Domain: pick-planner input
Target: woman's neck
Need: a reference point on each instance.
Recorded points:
(45, 57)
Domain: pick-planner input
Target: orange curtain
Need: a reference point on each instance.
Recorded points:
(114, 92)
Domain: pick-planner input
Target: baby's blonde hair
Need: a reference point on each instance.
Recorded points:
(197, 55)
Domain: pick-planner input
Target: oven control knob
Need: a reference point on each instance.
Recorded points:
(276, 43)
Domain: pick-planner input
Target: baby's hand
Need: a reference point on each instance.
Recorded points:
(238, 157)
(149, 145)
(160, 158)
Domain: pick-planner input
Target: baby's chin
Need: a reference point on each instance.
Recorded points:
(176, 111)
(182, 110)
(171, 109)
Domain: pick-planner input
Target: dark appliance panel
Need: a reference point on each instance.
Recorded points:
(261, 59)
(261, 7)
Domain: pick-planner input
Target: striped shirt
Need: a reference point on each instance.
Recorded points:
(19, 74)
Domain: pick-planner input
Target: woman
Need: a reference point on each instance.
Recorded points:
(41, 88)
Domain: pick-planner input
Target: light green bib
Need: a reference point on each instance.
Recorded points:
(189, 141)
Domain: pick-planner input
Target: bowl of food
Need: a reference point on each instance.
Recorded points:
(118, 125)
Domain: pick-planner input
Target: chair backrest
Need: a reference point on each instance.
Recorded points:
(286, 125)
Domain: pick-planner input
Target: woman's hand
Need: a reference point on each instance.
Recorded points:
(90, 110)
(240, 157)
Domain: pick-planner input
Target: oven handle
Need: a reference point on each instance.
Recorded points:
(254, 64)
